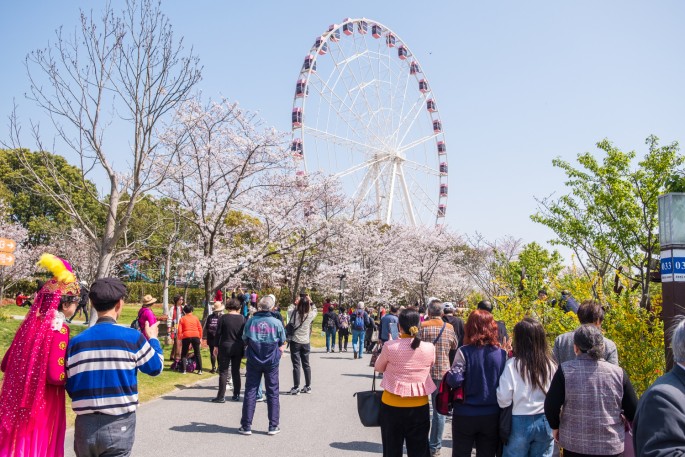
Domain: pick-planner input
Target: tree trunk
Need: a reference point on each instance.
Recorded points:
(296, 284)
(165, 284)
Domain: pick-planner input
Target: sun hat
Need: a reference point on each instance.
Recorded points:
(149, 300)
(218, 306)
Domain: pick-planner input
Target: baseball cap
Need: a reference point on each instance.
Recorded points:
(448, 306)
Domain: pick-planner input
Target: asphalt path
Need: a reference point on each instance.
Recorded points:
(322, 423)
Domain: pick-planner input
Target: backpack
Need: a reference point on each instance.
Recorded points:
(190, 364)
(135, 325)
(359, 321)
(344, 321)
(331, 321)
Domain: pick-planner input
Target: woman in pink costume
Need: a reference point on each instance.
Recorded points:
(32, 411)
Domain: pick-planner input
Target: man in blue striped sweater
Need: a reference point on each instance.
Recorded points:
(102, 368)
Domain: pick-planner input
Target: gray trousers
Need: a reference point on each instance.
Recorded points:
(102, 435)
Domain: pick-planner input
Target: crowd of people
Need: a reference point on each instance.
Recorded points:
(507, 397)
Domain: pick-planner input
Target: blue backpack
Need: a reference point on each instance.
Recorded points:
(359, 321)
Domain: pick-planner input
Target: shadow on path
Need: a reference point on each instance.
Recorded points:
(359, 375)
(195, 387)
(201, 427)
(361, 446)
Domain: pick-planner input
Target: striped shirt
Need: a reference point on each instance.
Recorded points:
(102, 364)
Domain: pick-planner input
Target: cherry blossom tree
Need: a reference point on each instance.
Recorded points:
(26, 254)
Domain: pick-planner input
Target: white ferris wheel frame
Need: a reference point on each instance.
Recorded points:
(390, 161)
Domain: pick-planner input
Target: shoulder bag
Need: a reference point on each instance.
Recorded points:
(290, 329)
(369, 405)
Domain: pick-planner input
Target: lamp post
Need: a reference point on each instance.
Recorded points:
(672, 241)
(342, 288)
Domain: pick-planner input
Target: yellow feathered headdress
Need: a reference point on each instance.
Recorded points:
(64, 278)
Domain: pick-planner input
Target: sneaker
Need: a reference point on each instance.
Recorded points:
(261, 399)
(235, 398)
(306, 390)
(435, 453)
(218, 400)
(355, 354)
(184, 372)
(213, 371)
(274, 431)
(332, 350)
(294, 391)
(245, 431)
(199, 372)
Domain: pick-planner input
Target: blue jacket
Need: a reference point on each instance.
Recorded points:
(263, 335)
(477, 369)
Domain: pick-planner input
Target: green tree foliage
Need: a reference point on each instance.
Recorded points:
(28, 203)
(534, 268)
(609, 218)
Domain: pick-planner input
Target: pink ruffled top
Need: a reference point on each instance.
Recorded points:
(406, 372)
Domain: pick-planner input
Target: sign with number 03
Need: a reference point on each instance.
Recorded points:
(673, 265)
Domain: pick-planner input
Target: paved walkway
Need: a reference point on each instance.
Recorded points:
(323, 423)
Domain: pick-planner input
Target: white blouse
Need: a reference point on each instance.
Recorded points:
(512, 387)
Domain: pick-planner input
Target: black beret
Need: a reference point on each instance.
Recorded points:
(107, 290)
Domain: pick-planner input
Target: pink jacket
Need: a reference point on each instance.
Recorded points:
(406, 372)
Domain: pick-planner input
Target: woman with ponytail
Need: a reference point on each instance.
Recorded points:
(405, 415)
(32, 411)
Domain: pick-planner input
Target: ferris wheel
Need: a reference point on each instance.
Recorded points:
(364, 112)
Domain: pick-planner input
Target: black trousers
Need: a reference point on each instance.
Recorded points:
(185, 345)
(226, 361)
(343, 334)
(568, 453)
(481, 430)
(400, 425)
(299, 354)
(212, 358)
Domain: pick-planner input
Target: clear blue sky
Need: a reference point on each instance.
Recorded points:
(518, 83)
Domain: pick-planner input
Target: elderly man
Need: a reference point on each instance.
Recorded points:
(441, 334)
(659, 425)
(359, 321)
(264, 337)
(589, 312)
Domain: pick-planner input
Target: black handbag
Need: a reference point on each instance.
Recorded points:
(369, 405)
(505, 423)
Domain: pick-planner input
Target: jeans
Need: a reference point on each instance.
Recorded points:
(252, 380)
(330, 339)
(299, 354)
(401, 426)
(437, 423)
(185, 345)
(358, 341)
(530, 436)
(104, 435)
(343, 334)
